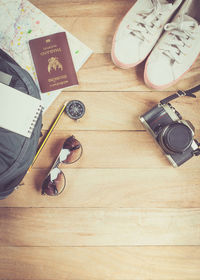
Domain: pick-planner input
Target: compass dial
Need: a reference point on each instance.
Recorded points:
(75, 109)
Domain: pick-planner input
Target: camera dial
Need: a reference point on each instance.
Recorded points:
(176, 137)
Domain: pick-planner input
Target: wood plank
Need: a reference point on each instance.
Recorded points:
(116, 110)
(102, 30)
(84, 8)
(123, 192)
(106, 149)
(111, 78)
(102, 64)
(139, 188)
(98, 227)
(118, 263)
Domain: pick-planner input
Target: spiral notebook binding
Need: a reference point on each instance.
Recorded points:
(35, 118)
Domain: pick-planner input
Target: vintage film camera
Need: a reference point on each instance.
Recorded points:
(174, 135)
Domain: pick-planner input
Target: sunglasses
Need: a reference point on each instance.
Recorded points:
(55, 182)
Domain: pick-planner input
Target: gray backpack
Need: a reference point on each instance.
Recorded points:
(16, 152)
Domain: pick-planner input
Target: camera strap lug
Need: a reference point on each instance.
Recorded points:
(185, 93)
(196, 152)
(180, 93)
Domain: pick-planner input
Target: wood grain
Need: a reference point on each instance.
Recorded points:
(78, 8)
(171, 188)
(127, 214)
(100, 263)
(110, 149)
(99, 227)
(117, 110)
(100, 74)
(102, 29)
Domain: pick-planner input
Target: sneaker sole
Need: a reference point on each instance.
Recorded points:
(151, 85)
(113, 56)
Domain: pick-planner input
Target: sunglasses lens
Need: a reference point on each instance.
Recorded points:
(54, 183)
(73, 148)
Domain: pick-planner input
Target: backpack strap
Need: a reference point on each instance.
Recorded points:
(11, 186)
(6, 57)
(27, 79)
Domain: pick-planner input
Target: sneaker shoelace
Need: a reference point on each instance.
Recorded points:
(179, 40)
(148, 21)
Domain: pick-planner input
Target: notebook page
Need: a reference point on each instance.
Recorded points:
(18, 111)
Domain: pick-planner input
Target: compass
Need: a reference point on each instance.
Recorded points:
(75, 109)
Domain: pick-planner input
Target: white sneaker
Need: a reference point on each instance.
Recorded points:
(177, 49)
(139, 30)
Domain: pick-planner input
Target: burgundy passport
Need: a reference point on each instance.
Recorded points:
(53, 62)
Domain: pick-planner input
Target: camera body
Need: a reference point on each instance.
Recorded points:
(174, 135)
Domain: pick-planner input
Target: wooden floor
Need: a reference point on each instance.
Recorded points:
(127, 214)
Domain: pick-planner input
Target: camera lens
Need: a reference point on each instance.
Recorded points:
(176, 138)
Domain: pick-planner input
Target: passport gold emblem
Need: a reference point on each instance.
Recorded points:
(54, 63)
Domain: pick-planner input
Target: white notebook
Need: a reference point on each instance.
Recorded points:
(18, 111)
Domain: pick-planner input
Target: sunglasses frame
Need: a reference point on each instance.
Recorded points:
(56, 165)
